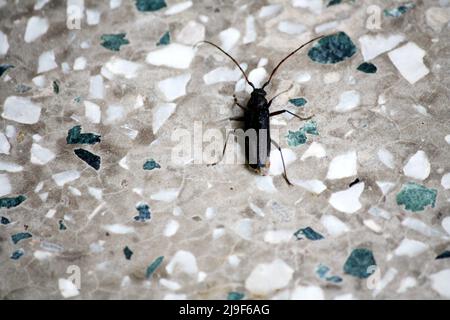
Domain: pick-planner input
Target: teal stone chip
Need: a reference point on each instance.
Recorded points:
(16, 238)
(298, 102)
(12, 202)
(332, 49)
(4, 220)
(144, 212)
(443, 255)
(74, 136)
(113, 42)
(56, 87)
(416, 197)
(164, 40)
(311, 128)
(128, 253)
(91, 159)
(151, 165)
(5, 67)
(153, 266)
(367, 67)
(62, 226)
(333, 2)
(399, 11)
(360, 263)
(234, 296)
(150, 5)
(16, 255)
(296, 138)
(309, 233)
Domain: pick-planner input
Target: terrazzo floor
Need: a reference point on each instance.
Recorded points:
(98, 98)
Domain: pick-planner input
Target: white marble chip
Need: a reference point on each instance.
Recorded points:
(120, 67)
(386, 157)
(278, 236)
(315, 186)
(118, 229)
(410, 248)
(64, 177)
(379, 213)
(175, 87)
(67, 288)
(41, 155)
(171, 228)
(21, 109)
(270, 10)
(36, 28)
(343, 166)
(291, 28)
(47, 62)
(183, 262)
(385, 186)
(10, 167)
(4, 144)
(93, 17)
(114, 114)
(437, 18)
(347, 201)
(315, 6)
(408, 59)
(4, 44)
(269, 277)
(446, 224)
(445, 181)
(265, 183)
(441, 282)
(191, 33)
(406, 284)
(348, 101)
(222, 74)
(114, 4)
(174, 55)
(161, 114)
(229, 38)
(420, 227)
(307, 293)
(315, 150)
(80, 64)
(374, 45)
(166, 195)
(334, 226)
(250, 30)
(5, 185)
(96, 87)
(257, 76)
(177, 8)
(40, 4)
(92, 112)
(276, 163)
(418, 166)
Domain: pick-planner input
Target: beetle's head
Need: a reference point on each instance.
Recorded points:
(259, 93)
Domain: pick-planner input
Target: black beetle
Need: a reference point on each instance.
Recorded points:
(257, 118)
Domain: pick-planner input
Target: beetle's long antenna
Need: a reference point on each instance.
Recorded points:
(287, 57)
(229, 56)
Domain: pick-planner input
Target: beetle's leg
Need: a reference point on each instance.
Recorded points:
(238, 104)
(224, 148)
(295, 115)
(282, 160)
(236, 119)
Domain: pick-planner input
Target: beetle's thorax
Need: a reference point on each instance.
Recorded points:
(258, 99)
